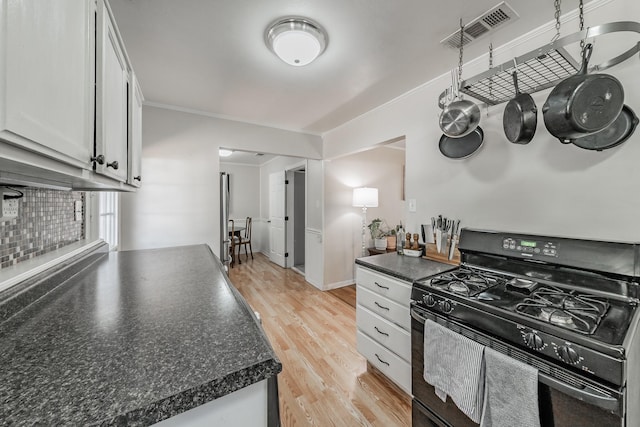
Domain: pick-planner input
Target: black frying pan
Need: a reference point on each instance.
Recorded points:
(614, 134)
(520, 116)
(583, 104)
(460, 148)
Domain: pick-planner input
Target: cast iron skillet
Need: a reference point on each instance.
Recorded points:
(520, 116)
(460, 148)
(583, 104)
(614, 134)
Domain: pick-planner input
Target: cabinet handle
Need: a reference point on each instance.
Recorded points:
(99, 159)
(380, 286)
(381, 361)
(381, 306)
(137, 178)
(113, 165)
(380, 332)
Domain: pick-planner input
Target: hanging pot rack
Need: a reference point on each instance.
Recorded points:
(541, 68)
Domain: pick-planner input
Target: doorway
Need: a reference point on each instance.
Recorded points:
(296, 224)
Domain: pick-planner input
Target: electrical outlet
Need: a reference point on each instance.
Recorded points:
(9, 208)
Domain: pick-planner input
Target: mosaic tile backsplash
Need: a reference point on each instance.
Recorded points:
(45, 222)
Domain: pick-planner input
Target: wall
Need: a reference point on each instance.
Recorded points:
(544, 187)
(45, 222)
(381, 168)
(178, 203)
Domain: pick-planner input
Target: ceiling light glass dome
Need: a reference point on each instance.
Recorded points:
(296, 40)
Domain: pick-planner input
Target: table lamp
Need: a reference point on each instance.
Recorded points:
(364, 198)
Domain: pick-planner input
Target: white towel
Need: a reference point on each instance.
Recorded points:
(511, 392)
(453, 364)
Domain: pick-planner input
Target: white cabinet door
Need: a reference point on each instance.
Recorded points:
(112, 101)
(134, 176)
(277, 231)
(46, 66)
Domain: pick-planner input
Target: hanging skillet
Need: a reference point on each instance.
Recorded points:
(520, 116)
(461, 148)
(614, 134)
(583, 104)
(460, 117)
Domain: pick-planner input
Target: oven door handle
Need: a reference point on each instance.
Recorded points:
(588, 394)
(417, 316)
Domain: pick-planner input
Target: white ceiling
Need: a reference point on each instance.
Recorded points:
(209, 55)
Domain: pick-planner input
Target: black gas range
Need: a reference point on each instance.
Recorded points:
(566, 306)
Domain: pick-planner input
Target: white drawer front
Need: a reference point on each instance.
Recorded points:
(394, 289)
(386, 333)
(390, 310)
(396, 369)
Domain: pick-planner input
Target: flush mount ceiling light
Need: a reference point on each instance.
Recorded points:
(296, 40)
(223, 152)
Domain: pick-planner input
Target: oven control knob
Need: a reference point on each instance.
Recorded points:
(445, 306)
(429, 300)
(568, 354)
(533, 341)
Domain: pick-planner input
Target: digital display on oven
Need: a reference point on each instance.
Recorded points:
(528, 243)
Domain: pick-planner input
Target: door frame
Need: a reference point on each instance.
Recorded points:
(289, 246)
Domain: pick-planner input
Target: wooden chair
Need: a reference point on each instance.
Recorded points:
(234, 241)
(245, 240)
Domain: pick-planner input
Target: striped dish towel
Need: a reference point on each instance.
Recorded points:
(453, 364)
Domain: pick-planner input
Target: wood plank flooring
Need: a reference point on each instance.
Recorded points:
(324, 381)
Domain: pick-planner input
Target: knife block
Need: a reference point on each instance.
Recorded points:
(432, 253)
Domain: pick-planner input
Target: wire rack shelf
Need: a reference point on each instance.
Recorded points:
(541, 68)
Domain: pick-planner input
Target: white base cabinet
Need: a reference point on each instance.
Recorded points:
(244, 407)
(384, 324)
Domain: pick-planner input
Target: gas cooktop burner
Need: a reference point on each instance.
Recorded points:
(570, 310)
(464, 281)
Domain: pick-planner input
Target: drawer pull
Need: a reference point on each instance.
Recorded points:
(380, 332)
(381, 306)
(381, 361)
(380, 286)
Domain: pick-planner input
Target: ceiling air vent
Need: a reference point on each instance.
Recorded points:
(483, 24)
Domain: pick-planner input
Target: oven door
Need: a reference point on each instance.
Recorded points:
(561, 404)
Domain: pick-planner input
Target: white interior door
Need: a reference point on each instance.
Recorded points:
(277, 230)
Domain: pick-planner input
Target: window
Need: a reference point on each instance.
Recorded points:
(108, 214)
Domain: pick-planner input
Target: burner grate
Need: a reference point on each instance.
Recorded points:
(465, 281)
(570, 310)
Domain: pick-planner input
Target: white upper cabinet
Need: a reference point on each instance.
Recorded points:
(70, 108)
(135, 132)
(46, 63)
(112, 91)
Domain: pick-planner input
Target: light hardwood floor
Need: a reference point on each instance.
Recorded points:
(324, 381)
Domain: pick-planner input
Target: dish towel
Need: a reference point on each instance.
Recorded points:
(511, 392)
(453, 364)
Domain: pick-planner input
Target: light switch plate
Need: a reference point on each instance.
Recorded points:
(412, 205)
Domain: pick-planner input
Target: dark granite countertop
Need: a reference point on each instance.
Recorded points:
(403, 267)
(132, 339)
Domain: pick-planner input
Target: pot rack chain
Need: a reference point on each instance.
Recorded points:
(542, 68)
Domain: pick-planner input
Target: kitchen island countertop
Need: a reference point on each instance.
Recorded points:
(132, 339)
(403, 267)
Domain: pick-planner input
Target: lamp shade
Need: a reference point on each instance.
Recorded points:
(365, 197)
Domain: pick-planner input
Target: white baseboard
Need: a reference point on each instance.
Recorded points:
(337, 285)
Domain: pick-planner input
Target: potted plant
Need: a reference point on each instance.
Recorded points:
(378, 234)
